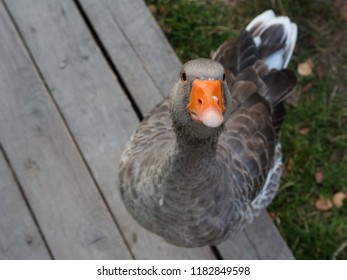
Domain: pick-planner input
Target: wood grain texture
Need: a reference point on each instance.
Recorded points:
(138, 48)
(261, 240)
(57, 184)
(93, 105)
(128, 24)
(123, 55)
(19, 236)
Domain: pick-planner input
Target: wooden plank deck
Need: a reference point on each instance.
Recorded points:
(75, 77)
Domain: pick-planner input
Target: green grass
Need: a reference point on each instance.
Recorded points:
(197, 28)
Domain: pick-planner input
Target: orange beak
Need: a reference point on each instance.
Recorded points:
(206, 102)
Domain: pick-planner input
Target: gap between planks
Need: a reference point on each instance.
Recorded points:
(26, 202)
(113, 67)
(108, 59)
(69, 133)
(114, 10)
(110, 91)
(119, 76)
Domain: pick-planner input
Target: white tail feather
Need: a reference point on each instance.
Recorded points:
(260, 19)
(261, 23)
(291, 44)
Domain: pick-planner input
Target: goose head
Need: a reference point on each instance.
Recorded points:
(200, 99)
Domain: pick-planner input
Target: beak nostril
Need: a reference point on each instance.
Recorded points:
(216, 99)
(205, 96)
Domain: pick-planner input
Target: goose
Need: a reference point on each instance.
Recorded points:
(205, 162)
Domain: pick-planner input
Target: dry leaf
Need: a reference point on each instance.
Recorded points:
(290, 164)
(338, 199)
(304, 130)
(272, 215)
(275, 218)
(323, 203)
(162, 9)
(152, 8)
(306, 68)
(319, 177)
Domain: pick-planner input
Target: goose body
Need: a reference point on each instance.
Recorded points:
(207, 159)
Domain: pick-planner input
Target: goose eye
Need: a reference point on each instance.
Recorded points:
(223, 77)
(183, 77)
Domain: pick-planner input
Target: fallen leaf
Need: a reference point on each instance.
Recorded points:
(290, 164)
(304, 130)
(272, 215)
(323, 203)
(275, 218)
(338, 199)
(306, 68)
(162, 9)
(152, 8)
(319, 177)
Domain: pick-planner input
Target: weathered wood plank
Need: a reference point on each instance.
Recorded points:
(111, 19)
(261, 240)
(57, 184)
(149, 41)
(137, 47)
(93, 105)
(124, 56)
(19, 236)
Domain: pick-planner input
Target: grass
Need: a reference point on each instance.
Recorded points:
(314, 135)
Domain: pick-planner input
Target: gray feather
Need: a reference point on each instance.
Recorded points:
(195, 185)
